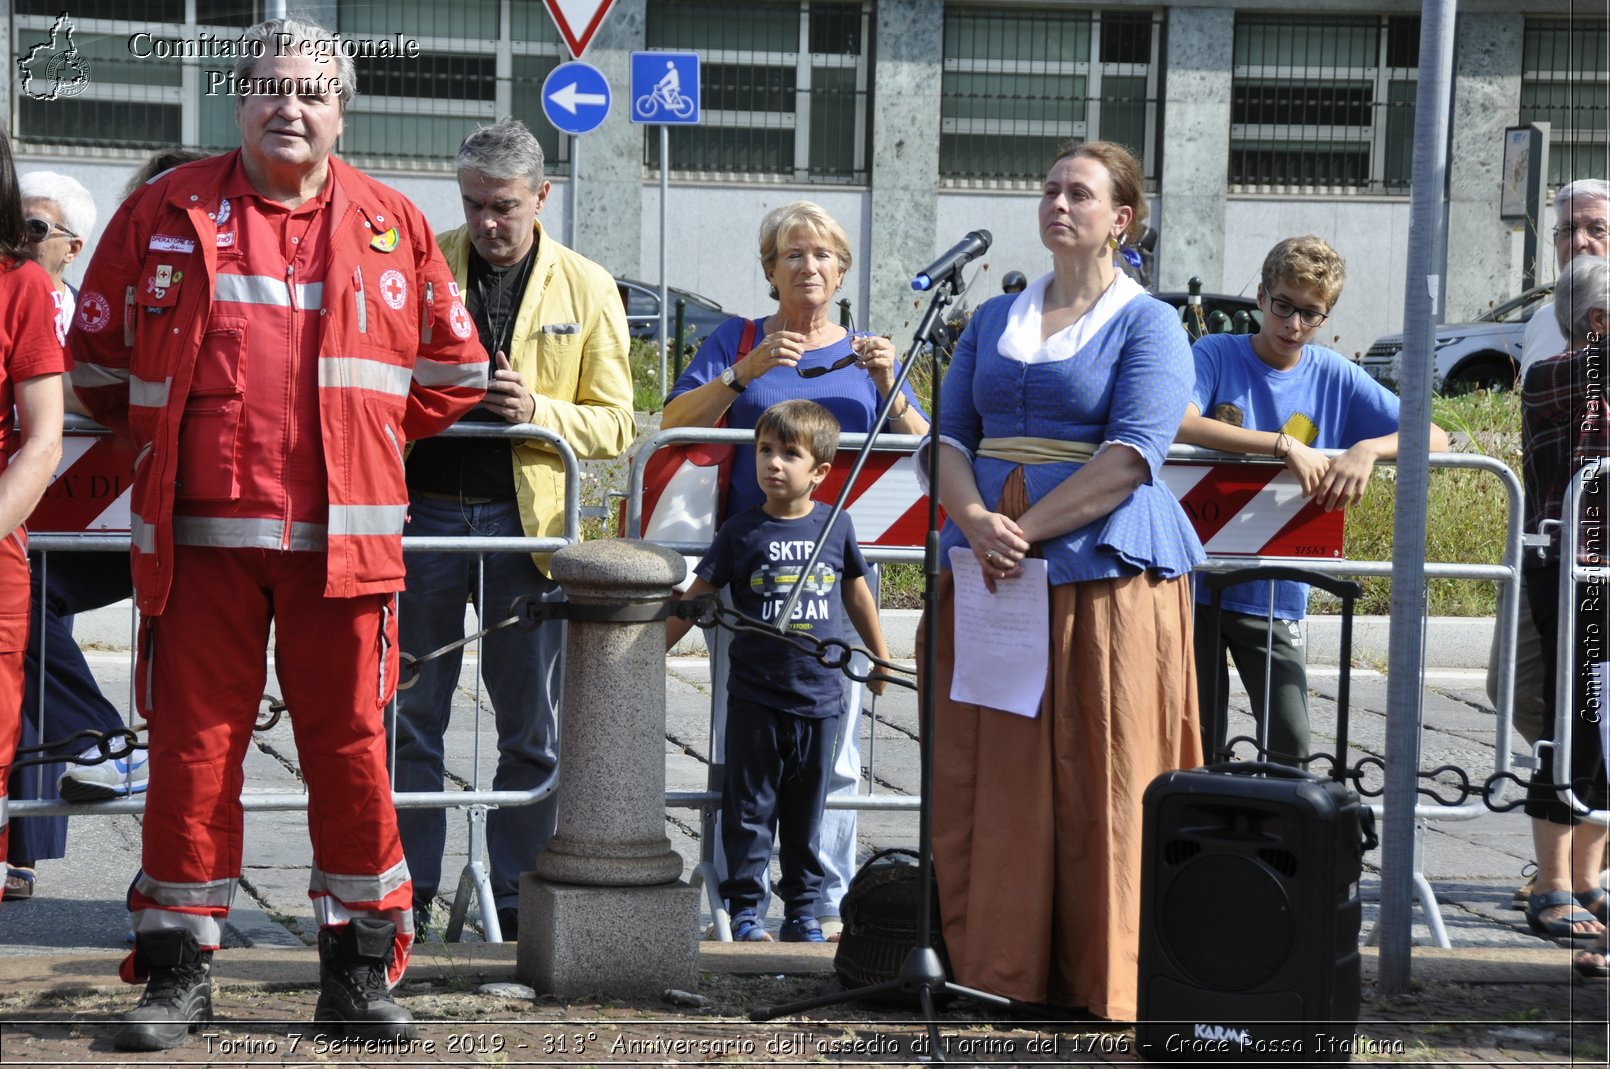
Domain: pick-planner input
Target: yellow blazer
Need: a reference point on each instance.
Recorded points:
(570, 349)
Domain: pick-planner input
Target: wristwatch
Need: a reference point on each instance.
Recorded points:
(729, 379)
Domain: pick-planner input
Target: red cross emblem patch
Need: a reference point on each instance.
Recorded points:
(394, 289)
(93, 312)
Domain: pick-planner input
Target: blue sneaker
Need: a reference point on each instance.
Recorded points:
(802, 930)
(116, 778)
(746, 928)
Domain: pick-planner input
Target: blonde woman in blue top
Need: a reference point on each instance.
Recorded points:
(1060, 406)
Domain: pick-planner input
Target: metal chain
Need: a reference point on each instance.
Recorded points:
(705, 611)
(109, 746)
(831, 653)
(408, 664)
(118, 743)
(1452, 779)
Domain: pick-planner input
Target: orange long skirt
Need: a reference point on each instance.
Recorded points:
(1037, 822)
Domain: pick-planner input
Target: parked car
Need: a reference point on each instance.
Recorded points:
(1218, 302)
(1484, 354)
(642, 301)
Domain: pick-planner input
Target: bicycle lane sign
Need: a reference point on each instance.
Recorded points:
(665, 88)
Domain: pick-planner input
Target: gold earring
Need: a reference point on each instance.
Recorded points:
(1112, 243)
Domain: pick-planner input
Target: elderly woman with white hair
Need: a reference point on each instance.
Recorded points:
(1566, 428)
(60, 214)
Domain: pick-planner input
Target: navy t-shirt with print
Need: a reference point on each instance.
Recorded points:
(758, 558)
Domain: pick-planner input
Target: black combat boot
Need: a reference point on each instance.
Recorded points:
(353, 960)
(178, 995)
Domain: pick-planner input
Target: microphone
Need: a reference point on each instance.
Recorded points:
(965, 251)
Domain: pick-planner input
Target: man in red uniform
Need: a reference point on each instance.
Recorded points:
(269, 327)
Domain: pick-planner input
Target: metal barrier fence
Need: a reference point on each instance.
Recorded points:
(1507, 573)
(478, 800)
(48, 543)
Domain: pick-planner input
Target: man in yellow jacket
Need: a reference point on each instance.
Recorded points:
(555, 326)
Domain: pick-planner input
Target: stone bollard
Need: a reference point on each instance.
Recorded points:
(606, 909)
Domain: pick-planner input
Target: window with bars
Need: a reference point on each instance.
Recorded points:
(1018, 82)
(783, 88)
(407, 110)
(1565, 82)
(1323, 103)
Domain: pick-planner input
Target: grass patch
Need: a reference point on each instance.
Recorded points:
(1465, 510)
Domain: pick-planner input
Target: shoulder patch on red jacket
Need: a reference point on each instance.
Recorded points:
(94, 312)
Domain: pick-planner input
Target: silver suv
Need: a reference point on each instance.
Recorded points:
(1485, 354)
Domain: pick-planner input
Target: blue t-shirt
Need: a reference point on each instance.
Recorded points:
(1326, 401)
(758, 558)
(848, 393)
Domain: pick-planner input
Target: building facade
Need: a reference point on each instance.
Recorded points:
(912, 121)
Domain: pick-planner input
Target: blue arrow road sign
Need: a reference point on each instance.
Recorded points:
(665, 88)
(575, 98)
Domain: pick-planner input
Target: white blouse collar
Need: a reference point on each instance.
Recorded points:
(1021, 339)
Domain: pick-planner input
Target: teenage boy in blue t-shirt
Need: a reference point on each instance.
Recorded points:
(1275, 394)
(784, 708)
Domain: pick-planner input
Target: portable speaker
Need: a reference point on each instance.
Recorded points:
(1250, 916)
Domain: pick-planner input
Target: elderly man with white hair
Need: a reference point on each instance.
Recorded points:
(1565, 427)
(1581, 228)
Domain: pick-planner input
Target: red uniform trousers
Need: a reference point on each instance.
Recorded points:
(200, 677)
(13, 640)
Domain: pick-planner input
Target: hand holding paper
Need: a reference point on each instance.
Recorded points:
(1003, 639)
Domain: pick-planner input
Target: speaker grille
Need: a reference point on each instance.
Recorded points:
(1282, 861)
(1179, 851)
(1227, 922)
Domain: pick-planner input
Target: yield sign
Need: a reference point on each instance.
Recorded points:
(578, 20)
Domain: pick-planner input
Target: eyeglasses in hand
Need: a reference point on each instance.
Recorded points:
(39, 230)
(842, 362)
(1281, 308)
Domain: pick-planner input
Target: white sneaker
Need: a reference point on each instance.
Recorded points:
(116, 778)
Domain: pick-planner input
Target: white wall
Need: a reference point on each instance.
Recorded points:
(714, 238)
(1371, 233)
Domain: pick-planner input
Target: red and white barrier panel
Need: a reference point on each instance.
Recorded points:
(1238, 510)
(90, 491)
(1253, 510)
(886, 506)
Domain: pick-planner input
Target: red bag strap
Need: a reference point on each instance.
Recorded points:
(747, 341)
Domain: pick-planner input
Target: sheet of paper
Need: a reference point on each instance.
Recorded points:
(1003, 640)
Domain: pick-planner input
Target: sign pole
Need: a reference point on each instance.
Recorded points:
(665, 90)
(575, 182)
(665, 287)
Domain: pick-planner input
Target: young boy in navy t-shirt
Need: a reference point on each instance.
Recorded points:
(784, 707)
(1275, 393)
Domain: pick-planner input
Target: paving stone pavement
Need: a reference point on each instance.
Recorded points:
(1473, 864)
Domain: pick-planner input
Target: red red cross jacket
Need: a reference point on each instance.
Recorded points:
(383, 379)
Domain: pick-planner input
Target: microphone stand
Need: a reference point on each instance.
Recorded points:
(921, 973)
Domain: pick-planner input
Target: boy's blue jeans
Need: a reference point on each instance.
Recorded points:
(776, 785)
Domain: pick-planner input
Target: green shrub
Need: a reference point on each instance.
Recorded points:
(1465, 510)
